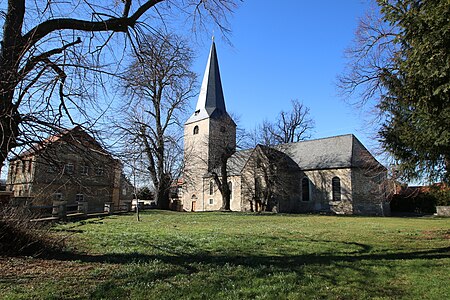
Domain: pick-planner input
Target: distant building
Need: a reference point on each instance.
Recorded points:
(332, 175)
(72, 167)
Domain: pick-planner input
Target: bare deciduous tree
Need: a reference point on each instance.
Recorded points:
(220, 176)
(222, 147)
(372, 53)
(159, 83)
(289, 127)
(53, 52)
(268, 178)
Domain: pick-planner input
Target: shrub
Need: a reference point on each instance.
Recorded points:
(440, 194)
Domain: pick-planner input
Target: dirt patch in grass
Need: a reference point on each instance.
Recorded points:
(436, 234)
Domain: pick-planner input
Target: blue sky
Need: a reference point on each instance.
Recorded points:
(283, 50)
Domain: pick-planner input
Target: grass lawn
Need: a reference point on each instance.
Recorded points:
(170, 255)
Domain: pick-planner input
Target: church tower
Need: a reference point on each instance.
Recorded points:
(208, 133)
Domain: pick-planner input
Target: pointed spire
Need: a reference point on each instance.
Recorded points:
(211, 102)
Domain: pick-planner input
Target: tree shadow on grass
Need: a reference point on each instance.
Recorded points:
(224, 269)
(330, 268)
(251, 260)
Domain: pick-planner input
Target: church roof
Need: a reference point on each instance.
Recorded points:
(344, 151)
(237, 162)
(211, 102)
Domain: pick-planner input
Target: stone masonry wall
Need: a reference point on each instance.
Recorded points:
(321, 191)
(369, 195)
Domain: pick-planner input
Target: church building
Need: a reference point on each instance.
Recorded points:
(336, 175)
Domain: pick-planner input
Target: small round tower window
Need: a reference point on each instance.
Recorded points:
(196, 130)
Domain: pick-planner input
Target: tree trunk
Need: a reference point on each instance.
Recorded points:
(163, 192)
(225, 188)
(16, 61)
(10, 51)
(9, 122)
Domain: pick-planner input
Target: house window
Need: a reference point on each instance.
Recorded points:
(336, 188)
(211, 188)
(68, 168)
(211, 201)
(57, 196)
(84, 170)
(50, 169)
(99, 171)
(305, 189)
(79, 197)
(230, 187)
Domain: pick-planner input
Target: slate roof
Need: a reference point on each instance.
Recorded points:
(211, 102)
(325, 153)
(237, 162)
(344, 151)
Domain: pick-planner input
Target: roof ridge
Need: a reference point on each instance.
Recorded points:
(318, 139)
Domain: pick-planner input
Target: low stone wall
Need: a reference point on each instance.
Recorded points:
(443, 211)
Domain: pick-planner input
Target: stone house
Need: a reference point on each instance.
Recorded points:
(71, 166)
(332, 175)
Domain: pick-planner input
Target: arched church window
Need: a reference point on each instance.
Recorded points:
(230, 187)
(305, 189)
(258, 187)
(211, 188)
(196, 130)
(336, 188)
